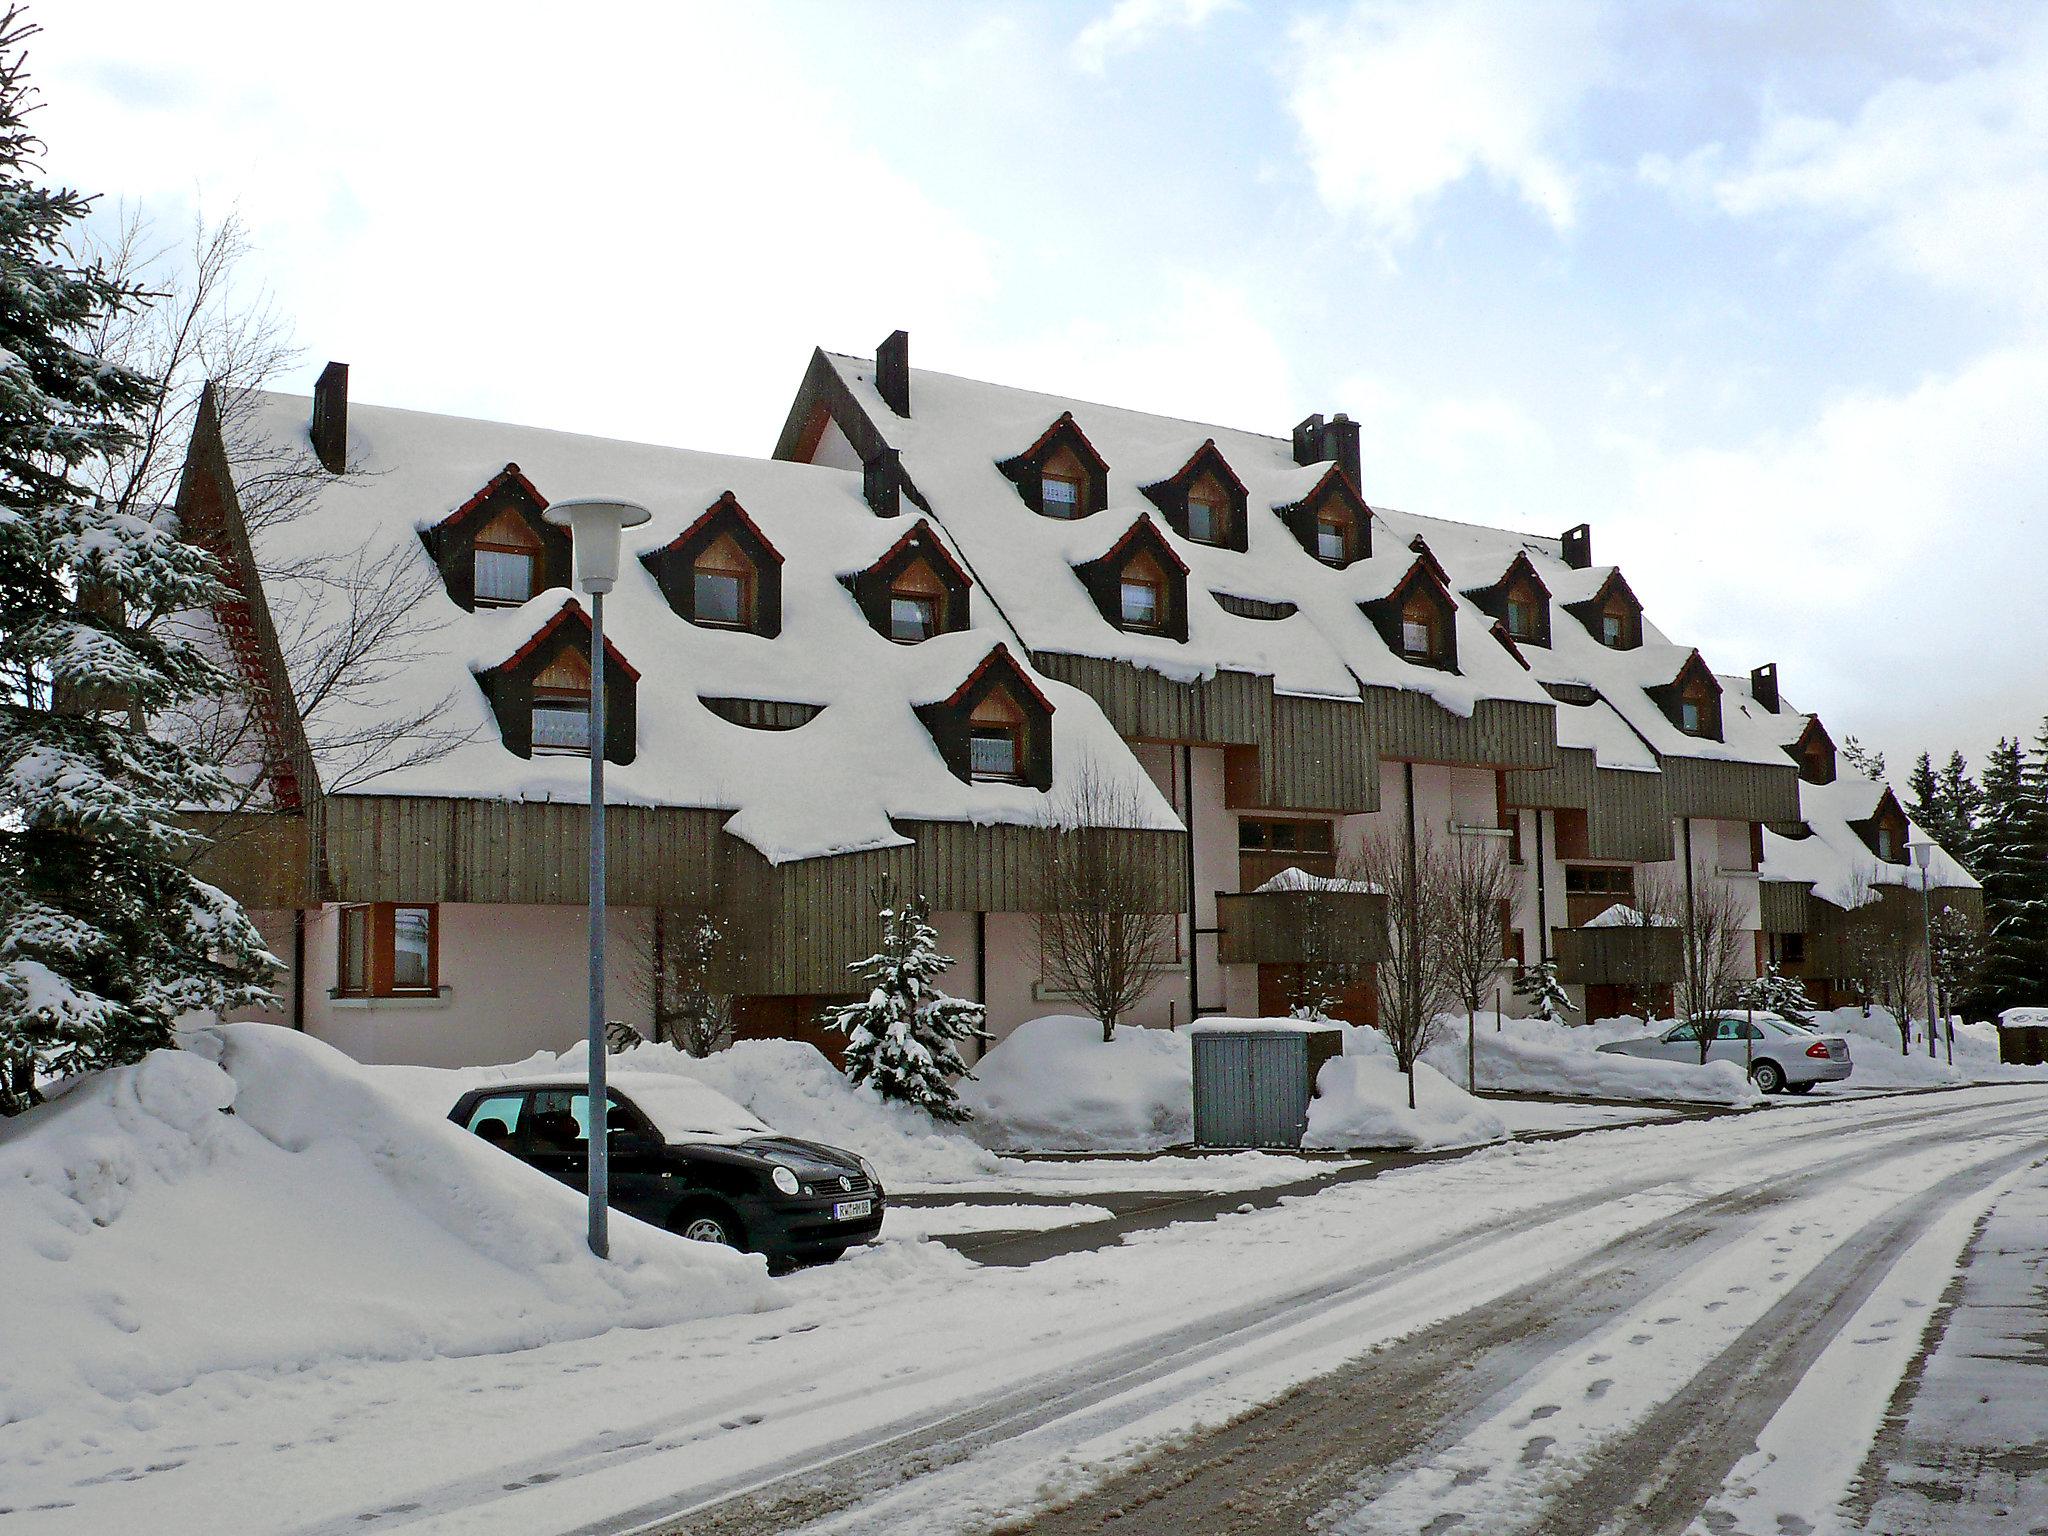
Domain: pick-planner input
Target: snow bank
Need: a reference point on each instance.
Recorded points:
(1362, 1101)
(1054, 1085)
(1531, 1056)
(153, 1239)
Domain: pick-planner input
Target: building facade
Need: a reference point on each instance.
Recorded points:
(945, 625)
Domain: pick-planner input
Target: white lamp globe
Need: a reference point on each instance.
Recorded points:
(594, 524)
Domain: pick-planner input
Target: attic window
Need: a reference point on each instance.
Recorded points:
(1887, 844)
(1524, 619)
(1420, 629)
(561, 707)
(507, 555)
(722, 587)
(1061, 496)
(1689, 717)
(1611, 629)
(1208, 519)
(1333, 540)
(912, 617)
(1140, 602)
(995, 753)
(1621, 626)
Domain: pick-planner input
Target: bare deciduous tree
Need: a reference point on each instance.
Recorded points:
(1414, 982)
(1888, 950)
(1101, 937)
(1479, 891)
(683, 967)
(347, 625)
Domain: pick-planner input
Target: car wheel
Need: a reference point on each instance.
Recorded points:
(706, 1224)
(1799, 1087)
(1768, 1076)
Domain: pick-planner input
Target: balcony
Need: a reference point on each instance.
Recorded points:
(1637, 957)
(1301, 927)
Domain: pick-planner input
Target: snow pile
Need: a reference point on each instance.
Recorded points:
(1531, 1056)
(153, 1239)
(1362, 1101)
(792, 1087)
(1054, 1085)
(1874, 1048)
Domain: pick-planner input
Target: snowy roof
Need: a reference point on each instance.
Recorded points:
(829, 786)
(959, 430)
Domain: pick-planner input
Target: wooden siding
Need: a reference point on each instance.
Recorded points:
(1626, 814)
(1319, 756)
(1620, 956)
(262, 859)
(1501, 733)
(1301, 928)
(1229, 709)
(1785, 906)
(1696, 786)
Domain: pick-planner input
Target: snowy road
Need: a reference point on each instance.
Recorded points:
(1696, 1325)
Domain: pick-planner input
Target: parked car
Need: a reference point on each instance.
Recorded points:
(1779, 1054)
(687, 1158)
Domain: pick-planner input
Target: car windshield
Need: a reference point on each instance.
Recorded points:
(683, 1109)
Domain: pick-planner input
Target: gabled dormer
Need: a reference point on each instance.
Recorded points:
(1203, 501)
(1814, 752)
(916, 590)
(1885, 830)
(1418, 619)
(1419, 547)
(1140, 585)
(541, 693)
(1519, 602)
(1332, 522)
(721, 572)
(496, 550)
(996, 727)
(1061, 475)
(1611, 615)
(1692, 700)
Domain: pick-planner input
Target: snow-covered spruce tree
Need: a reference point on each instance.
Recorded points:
(1775, 992)
(1538, 986)
(2007, 857)
(902, 1037)
(105, 939)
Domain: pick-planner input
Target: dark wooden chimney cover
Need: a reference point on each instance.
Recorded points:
(892, 372)
(1763, 686)
(1578, 546)
(1335, 441)
(330, 418)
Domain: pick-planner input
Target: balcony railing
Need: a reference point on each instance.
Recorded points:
(1620, 956)
(1307, 927)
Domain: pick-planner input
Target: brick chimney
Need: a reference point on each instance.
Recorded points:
(892, 372)
(1335, 441)
(881, 481)
(330, 418)
(1578, 546)
(1763, 686)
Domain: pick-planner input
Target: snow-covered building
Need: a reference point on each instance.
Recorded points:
(945, 617)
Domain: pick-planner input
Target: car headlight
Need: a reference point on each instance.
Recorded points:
(867, 1168)
(784, 1178)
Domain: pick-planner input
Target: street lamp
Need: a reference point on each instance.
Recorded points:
(594, 525)
(1922, 854)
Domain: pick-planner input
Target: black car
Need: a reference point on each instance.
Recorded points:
(689, 1159)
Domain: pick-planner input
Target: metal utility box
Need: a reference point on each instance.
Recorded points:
(2019, 1045)
(1252, 1086)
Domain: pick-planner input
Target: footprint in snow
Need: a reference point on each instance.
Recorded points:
(1598, 1389)
(1640, 1338)
(1598, 1359)
(1792, 1525)
(1537, 1449)
(1665, 1321)
(1465, 1477)
(1542, 1413)
(1441, 1524)
(1715, 1306)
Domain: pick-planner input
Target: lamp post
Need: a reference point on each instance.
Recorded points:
(1922, 854)
(594, 525)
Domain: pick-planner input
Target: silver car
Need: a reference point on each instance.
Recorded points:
(1777, 1054)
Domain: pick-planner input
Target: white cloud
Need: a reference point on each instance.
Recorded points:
(1130, 24)
(1395, 103)
(1949, 177)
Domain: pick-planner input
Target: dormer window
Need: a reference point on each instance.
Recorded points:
(915, 590)
(1140, 597)
(1692, 700)
(1203, 501)
(1333, 541)
(541, 693)
(1419, 629)
(1331, 522)
(1061, 475)
(1613, 630)
(507, 562)
(1140, 585)
(722, 583)
(1522, 617)
(996, 727)
(1815, 753)
(1519, 601)
(561, 706)
(1611, 615)
(496, 550)
(721, 572)
(1689, 716)
(1885, 829)
(1417, 619)
(1887, 844)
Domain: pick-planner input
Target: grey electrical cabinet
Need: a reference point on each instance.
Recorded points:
(1252, 1086)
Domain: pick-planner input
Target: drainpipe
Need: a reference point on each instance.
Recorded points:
(1187, 789)
(299, 969)
(1692, 932)
(1542, 909)
(981, 975)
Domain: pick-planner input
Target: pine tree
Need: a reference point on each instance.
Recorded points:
(105, 939)
(901, 1038)
(1944, 803)
(1538, 986)
(2008, 860)
(1775, 992)
(1866, 762)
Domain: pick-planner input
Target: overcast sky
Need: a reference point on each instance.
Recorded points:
(1759, 290)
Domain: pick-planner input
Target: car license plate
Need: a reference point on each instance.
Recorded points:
(852, 1210)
